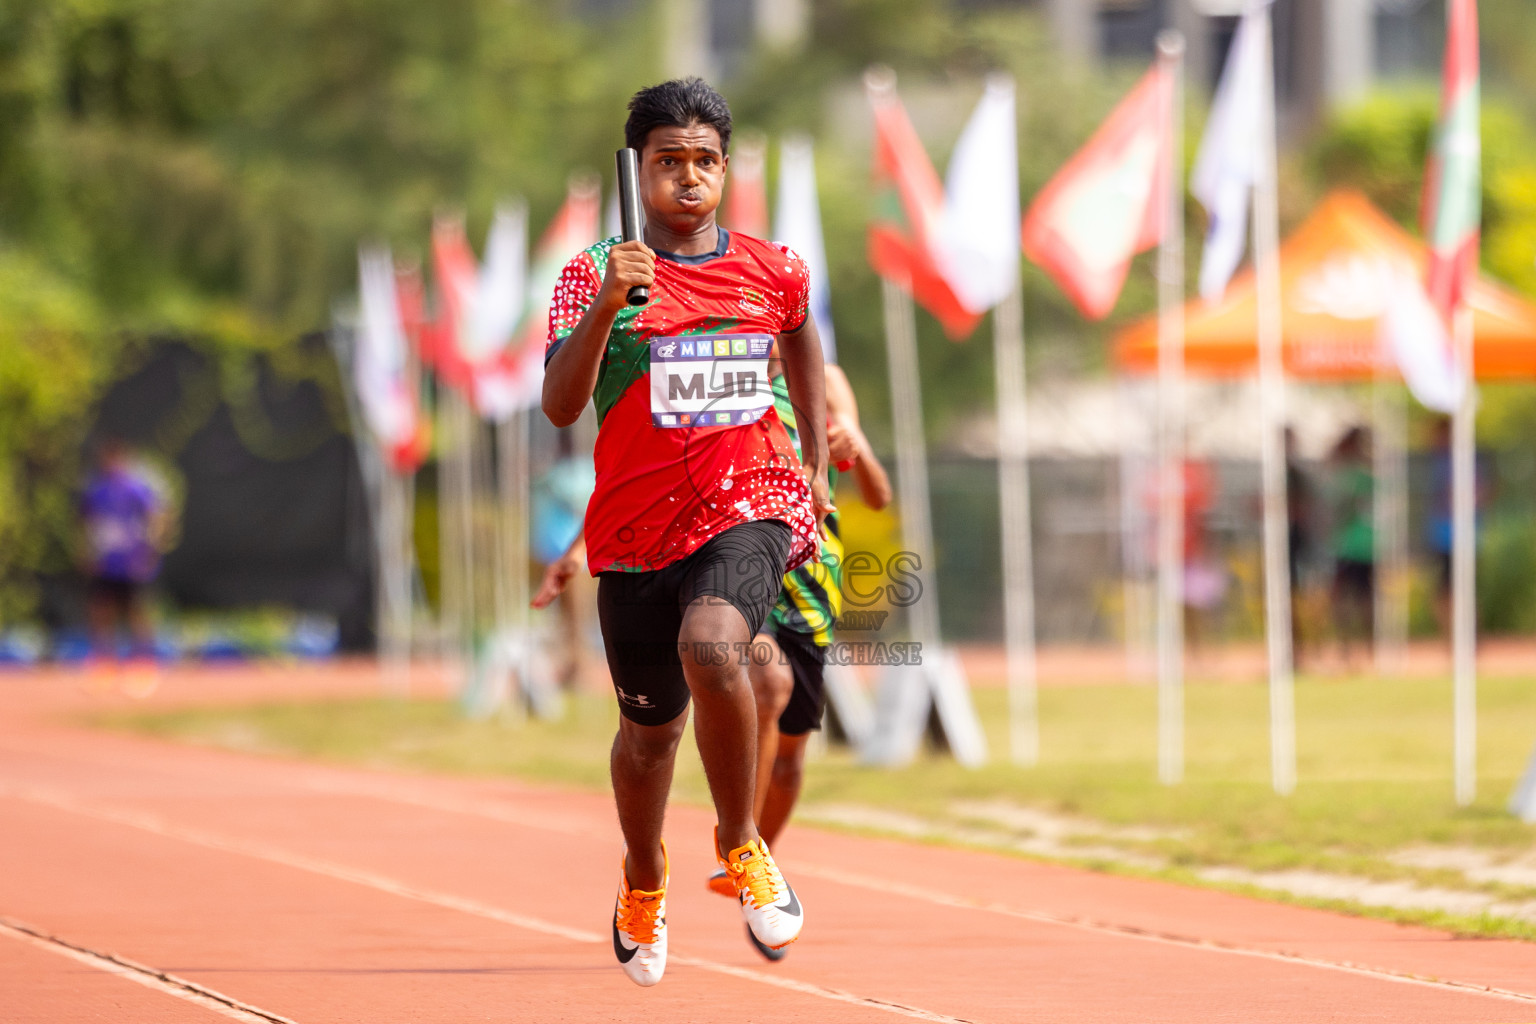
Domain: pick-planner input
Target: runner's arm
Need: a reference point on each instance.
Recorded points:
(559, 572)
(800, 352)
(570, 377)
(843, 410)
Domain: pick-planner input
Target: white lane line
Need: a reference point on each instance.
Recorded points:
(886, 887)
(149, 977)
(383, 883)
(500, 812)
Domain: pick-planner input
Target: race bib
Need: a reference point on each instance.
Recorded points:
(709, 380)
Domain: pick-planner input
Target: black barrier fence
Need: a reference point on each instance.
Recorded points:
(272, 508)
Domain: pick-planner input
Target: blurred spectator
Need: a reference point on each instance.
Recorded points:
(1205, 579)
(559, 507)
(1298, 512)
(123, 517)
(1438, 522)
(1354, 539)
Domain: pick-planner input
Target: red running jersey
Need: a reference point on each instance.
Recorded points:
(689, 443)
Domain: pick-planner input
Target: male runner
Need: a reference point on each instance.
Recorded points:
(701, 502)
(789, 661)
(787, 670)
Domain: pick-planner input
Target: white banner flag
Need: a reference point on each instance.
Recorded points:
(500, 299)
(501, 294)
(977, 242)
(1224, 170)
(797, 224)
(1413, 334)
(379, 363)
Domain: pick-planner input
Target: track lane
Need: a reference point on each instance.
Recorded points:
(43, 982)
(1084, 977)
(312, 947)
(966, 935)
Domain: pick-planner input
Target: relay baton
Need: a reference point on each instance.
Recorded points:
(629, 212)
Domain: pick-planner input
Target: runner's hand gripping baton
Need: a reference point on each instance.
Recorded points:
(630, 226)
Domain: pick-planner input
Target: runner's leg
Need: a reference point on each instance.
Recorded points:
(641, 765)
(725, 715)
(637, 611)
(804, 661)
(772, 683)
(788, 772)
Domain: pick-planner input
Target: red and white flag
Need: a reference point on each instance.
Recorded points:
(381, 364)
(797, 224)
(574, 228)
(976, 245)
(1415, 338)
(1104, 206)
(908, 214)
(442, 339)
(501, 300)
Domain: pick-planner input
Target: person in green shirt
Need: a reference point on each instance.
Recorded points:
(1354, 540)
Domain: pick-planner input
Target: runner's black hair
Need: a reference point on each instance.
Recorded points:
(677, 104)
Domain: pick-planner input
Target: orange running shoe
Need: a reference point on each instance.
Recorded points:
(768, 905)
(640, 928)
(719, 883)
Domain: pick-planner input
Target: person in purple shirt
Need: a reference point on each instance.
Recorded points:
(122, 515)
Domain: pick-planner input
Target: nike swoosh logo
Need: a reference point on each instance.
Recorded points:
(624, 955)
(794, 903)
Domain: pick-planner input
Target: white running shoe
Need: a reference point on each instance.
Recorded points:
(768, 905)
(640, 928)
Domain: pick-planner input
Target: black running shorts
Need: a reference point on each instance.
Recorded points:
(641, 613)
(807, 662)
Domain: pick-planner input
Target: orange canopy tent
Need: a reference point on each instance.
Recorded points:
(1336, 273)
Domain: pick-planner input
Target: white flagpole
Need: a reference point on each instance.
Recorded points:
(386, 527)
(937, 684)
(1170, 434)
(520, 540)
(512, 551)
(911, 456)
(469, 552)
(1018, 556)
(1464, 565)
(1277, 573)
(409, 563)
(448, 613)
(496, 482)
(407, 578)
(345, 337)
(1140, 641)
(456, 521)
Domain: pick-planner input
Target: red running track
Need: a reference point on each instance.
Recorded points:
(141, 881)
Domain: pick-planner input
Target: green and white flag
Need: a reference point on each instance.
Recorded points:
(1453, 184)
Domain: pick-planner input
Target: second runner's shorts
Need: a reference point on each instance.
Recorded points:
(641, 613)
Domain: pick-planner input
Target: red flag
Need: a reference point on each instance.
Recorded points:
(910, 201)
(408, 456)
(453, 265)
(746, 193)
(1453, 183)
(1105, 205)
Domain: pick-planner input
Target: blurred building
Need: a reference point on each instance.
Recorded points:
(1326, 51)
(711, 37)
